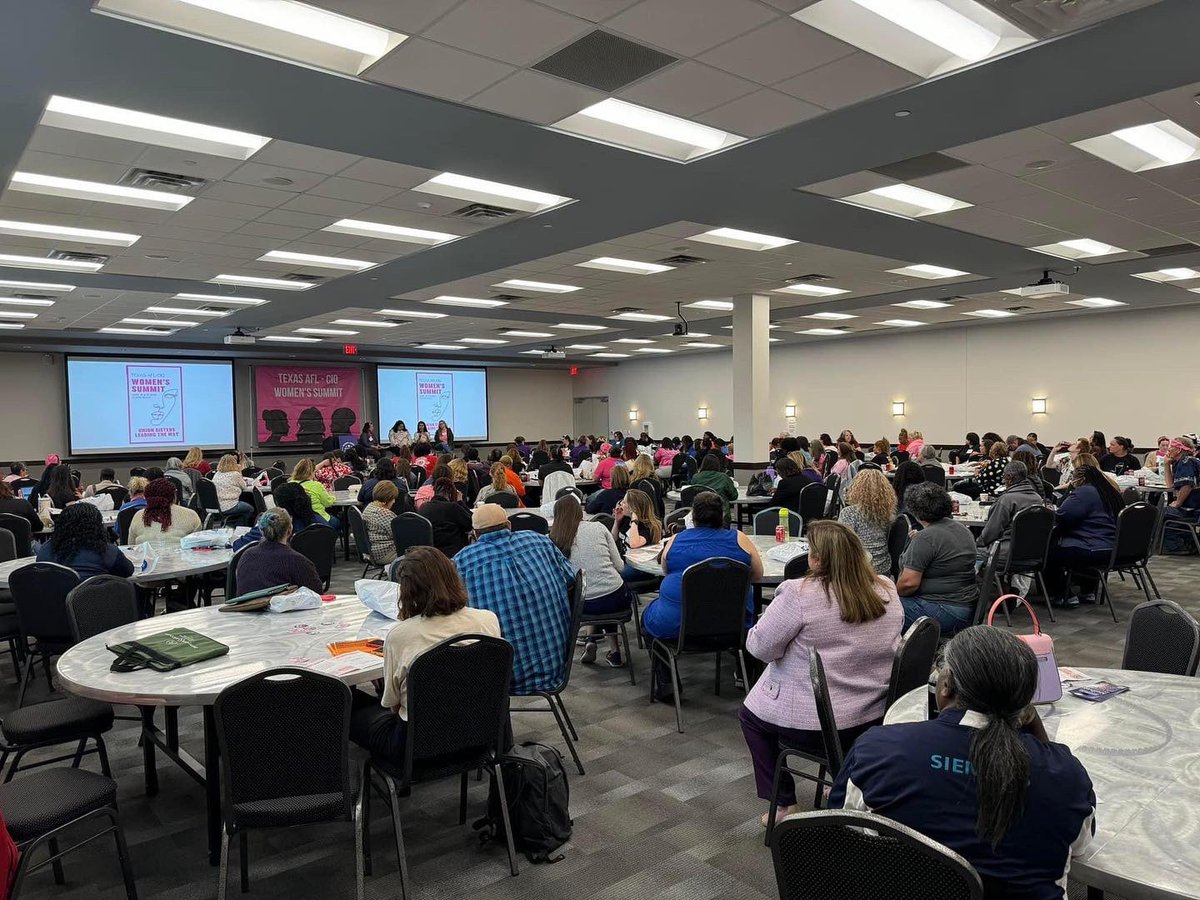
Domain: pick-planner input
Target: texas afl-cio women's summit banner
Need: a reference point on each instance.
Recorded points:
(306, 404)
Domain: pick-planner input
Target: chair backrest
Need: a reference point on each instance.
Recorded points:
(970, 487)
(556, 482)
(604, 519)
(988, 590)
(318, 544)
(713, 595)
(343, 483)
(830, 854)
(573, 491)
(1162, 637)
(40, 591)
(1160, 506)
(258, 501)
(8, 545)
(829, 731)
(124, 518)
(100, 603)
(575, 598)
(812, 501)
(527, 521)
(410, 529)
(284, 733)
(935, 474)
(688, 494)
(231, 588)
(504, 499)
(21, 532)
(914, 658)
(120, 495)
(358, 528)
(183, 484)
(1030, 541)
(1136, 528)
(897, 541)
(458, 700)
(277, 481)
(797, 567)
(207, 492)
(1052, 477)
(678, 514)
(871, 465)
(766, 521)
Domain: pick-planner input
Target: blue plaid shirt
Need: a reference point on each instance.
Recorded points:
(522, 577)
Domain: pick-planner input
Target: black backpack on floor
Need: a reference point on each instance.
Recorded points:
(535, 785)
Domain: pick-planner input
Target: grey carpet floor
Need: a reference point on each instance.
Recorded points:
(659, 815)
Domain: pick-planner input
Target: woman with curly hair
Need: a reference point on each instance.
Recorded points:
(162, 521)
(870, 510)
(80, 542)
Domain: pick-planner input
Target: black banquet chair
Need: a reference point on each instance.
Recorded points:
(1137, 526)
(914, 659)
(529, 521)
(457, 722)
(231, 588)
(278, 770)
(21, 531)
(813, 498)
(362, 541)
(1027, 549)
(838, 854)
(934, 473)
(344, 483)
(897, 541)
(1162, 637)
(318, 544)
(410, 529)
(713, 621)
(765, 522)
(40, 595)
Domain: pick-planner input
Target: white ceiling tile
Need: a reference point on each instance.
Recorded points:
(535, 97)
(324, 206)
(424, 204)
(1028, 142)
(267, 198)
(1102, 121)
(222, 208)
(407, 17)
(378, 171)
(760, 113)
(20, 200)
(65, 142)
(690, 27)
(687, 88)
(71, 167)
(180, 162)
(338, 188)
(428, 68)
(307, 159)
(273, 230)
(776, 51)
(847, 80)
(512, 31)
(592, 10)
(256, 174)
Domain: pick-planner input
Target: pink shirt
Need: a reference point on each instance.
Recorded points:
(663, 457)
(840, 467)
(914, 447)
(603, 471)
(857, 658)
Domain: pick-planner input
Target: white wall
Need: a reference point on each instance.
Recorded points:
(33, 419)
(1131, 373)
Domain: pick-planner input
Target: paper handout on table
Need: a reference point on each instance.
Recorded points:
(346, 664)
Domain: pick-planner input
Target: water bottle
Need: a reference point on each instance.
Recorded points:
(781, 530)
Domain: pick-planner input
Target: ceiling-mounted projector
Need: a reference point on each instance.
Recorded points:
(553, 353)
(239, 337)
(1042, 288)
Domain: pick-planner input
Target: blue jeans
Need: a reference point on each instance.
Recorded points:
(953, 617)
(1176, 540)
(241, 513)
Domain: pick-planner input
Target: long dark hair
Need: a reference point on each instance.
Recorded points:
(567, 516)
(80, 527)
(993, 673)
(908, 473)
(1109, 495)
(62, 483)
(295, 499)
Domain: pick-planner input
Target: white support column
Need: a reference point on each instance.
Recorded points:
(752, 430)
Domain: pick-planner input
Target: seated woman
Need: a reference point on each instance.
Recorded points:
(80, 542)
(398, 436)
(499, 491)
(330, 469)
(433, 607)
(635, 524)
(991, 475)
(982, 777)
(1033, 471)
(590, 547)
(271, 562)
(712, 477)
(870, 510)
(907, 474)
(968, 451)
(513, 474)
(450, 519)
(229, 484)
(606, 500)
(321, 499)
(162, 521)
(540, 456)
(61, 488)
(1019, 494)
(185, 479)
(425, 492)
(791, 482)
(378, 516)
(642, 477)
(443, 437)
(1156, 459)
(848, 614)
(385, 470)
(17, 506)
(880, 453)
(707, 538)
(937, 569)
(1085, 531)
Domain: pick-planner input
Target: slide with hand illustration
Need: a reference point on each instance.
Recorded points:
(429, 395)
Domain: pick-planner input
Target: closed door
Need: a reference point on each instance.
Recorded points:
(591, 415)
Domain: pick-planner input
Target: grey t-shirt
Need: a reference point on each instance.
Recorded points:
(944, 554)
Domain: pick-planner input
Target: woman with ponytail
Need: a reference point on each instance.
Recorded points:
(982, 778)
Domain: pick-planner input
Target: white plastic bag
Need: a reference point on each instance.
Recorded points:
(301, 598)
(382, 597)
(144, 558)
(102, 502)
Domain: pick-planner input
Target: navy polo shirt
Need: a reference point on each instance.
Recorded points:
(1186, 471)
(919, 774)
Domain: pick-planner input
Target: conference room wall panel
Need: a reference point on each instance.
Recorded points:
(1129, 373)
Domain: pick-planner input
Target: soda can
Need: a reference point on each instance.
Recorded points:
(780, 534)
(1141, 481)
(954, 507)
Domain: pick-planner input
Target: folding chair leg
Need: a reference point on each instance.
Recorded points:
(1192, 530)
(1150, 578)
(405, 888)
(745, 674)
(359, 859)
(79, 751)
(566, 716)
(562, 726)
(776, 783)
(637, 619)
(628, 655)
(59, 877)
(223, 874)
(25, 675)
(364, 814)
(1041, 585)
(508, 838)
(819, 791)
(244, 860)
(678, 690)
(1107, 596)
(1140, 575)
(462, 799)
(123, 856)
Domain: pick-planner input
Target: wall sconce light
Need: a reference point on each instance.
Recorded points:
(897, 407)
(702, 412)
(633, 414)
(1038, 405)
(790, 411)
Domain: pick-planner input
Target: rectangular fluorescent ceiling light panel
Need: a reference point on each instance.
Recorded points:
(742, 240)
(906, 200)
(824, 332)
(481, 341)
(173, 323)
(701, 345)
(221, 298)
(278, 284)
(181, 311)
(831, 316)
(633, 341)
(529, 334)
(646, 130)
(927, 37)
(383, 232)
(53, 265)
(922, 304)
(653, 350)
(283, 28)
(900, 323)
(1078, 248)
(334, 332)
(319, 262)
(495, 193)
(63, 233)
(990, 313)
(1161, 276)
(711, 304)
(578, 326)
(640, 317)
(117, 330)
(17, 315)
(1096, 302)
(928, 272)
(12, 325)
(146, 128)
(610, 356)
(628, 266)
(36, 286)
(75, 189)
(1144, 147)
(25, 301)
(810, 290)
(366, 323)
(444, 347)
(413, 314)
(585, 346)
(291, 339)
(541, 287)
(483, 302)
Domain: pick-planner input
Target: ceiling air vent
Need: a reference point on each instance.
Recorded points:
(604, 61)
(1045, 17)
(1170, 250)
(482, 211)
(920, 166)
(1018, 308)
(307, 279)
(810, 278)
(628, 309)
(155, 180)
(681, 260)
(509, 298)
(35, 297)
(77, 256)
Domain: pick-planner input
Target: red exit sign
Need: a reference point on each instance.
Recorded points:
(350, 349)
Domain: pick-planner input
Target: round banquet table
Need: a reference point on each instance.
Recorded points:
(741, 506)
(1142, 752)
(257, 641)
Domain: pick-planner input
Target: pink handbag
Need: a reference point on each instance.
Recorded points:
(1049, 686)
